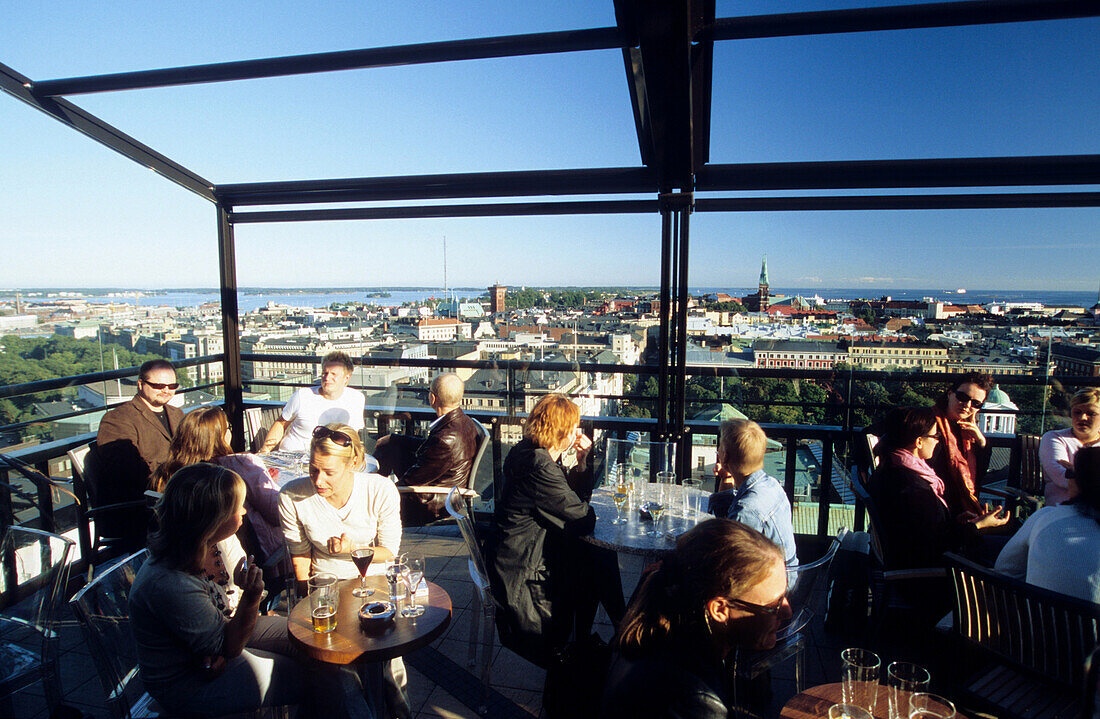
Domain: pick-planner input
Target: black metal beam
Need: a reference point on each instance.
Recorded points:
(513, 209)
(898, 17)
(605, 38)
(231, 330)
(867, 174)
(597, 181)
(65, 112)
(1011, 200)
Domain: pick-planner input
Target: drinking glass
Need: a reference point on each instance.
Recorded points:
(693, 494)
(902, 680)
(638, 482)
(363, 554)
(930, 706)
(323, 598)
(848, 711)
(659, 500)
(621, 495)
(860, 677)
(414, 572)
(395, 571)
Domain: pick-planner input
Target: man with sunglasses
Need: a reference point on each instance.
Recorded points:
(133, 440)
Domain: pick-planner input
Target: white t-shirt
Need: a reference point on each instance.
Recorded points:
(373, 511)
(307, 409)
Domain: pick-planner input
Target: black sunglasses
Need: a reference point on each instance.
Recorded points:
(163, 385)
(769, 610)
(335, 435)
(966, 399)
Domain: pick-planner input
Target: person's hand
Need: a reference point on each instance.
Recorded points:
(1066, 463)
(969, 429)
(582, 444)
(340, 545)
(212, 667)
(249, 578)
(992, 517)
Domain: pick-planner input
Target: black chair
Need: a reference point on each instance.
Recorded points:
(1035, 643)
(95, 520)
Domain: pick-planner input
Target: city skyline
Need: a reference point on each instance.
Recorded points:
(74, 210)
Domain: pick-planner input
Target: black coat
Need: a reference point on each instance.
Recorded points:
(918, 528)
(534, 553)
(660, 686)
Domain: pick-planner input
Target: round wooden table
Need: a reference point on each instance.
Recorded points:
(349, 643)
(630, 537)
(814, 703)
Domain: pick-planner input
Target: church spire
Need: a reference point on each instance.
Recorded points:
(764, 272)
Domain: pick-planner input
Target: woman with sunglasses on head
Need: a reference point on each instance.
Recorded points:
(963, 453)
(198, 658)
(337, 507)
(1058, 447)
(912, 502)
(724, 587)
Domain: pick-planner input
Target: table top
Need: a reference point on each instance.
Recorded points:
(630, 538)
(814, 703)
(348, 643)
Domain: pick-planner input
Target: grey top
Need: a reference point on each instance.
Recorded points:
(175, 624)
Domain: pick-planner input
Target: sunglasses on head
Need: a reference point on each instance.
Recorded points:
(966, 399)
(163, 385)
(335, 435)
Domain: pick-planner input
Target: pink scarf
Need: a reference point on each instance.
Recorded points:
(918, 466)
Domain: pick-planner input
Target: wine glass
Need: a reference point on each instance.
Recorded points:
(363, 554)
(414, 572)
(623, 487)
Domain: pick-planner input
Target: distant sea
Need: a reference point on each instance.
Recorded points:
(248, 301)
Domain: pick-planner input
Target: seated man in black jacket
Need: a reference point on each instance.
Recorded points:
(444, 459)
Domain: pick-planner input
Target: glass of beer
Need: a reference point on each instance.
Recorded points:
(323, 599)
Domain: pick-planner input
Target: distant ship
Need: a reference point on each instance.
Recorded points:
(961, 291)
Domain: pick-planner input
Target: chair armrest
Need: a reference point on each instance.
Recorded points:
(430, 489)
(907, 575)
(132, 504)
(1023, 496)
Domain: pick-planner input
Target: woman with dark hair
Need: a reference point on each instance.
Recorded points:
(724, 587)
(1058, 547)
(197, 658)
(912, 501)
(534, 556)
(962, 455)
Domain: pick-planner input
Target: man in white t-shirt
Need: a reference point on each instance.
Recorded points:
(310, 407)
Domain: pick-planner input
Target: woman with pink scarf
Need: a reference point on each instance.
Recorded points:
(912, 499)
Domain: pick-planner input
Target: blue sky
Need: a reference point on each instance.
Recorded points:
(77, 214)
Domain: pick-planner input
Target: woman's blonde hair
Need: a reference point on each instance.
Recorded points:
(197, 500)
(551, 420)
(199, 438)
(327, 448)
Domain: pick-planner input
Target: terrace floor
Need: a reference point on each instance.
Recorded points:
(440, 683)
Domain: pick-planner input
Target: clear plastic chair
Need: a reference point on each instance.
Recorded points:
(803, 583)
(102, 609)
(484, 613)
(35, 574)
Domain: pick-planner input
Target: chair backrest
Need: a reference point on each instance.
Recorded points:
(102, 609)
(482, 445)
(35, 574)
(85, 464)
(873, 519)
(1031, 471)
(872, 442)
(808, 577)
(1047, 633)
(456, 507)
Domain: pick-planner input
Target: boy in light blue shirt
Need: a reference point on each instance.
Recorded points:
(755, 498)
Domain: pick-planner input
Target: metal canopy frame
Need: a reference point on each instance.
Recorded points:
(667, 48)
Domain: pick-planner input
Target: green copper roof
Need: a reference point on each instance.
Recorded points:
(764, 271)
